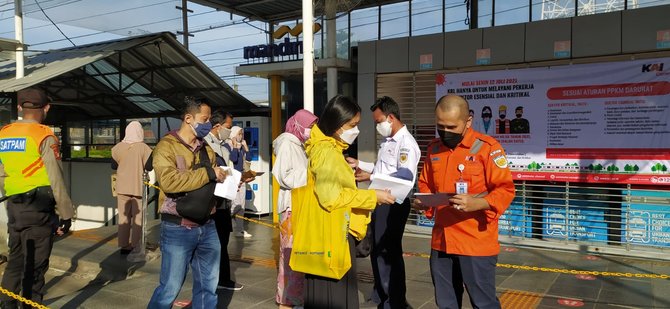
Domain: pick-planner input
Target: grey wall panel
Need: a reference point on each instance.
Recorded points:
(392, 55)
(640, 27)
(596, 35)
(460, 48)
(426, 45)
(506, 43)
(367, 54)
(367, 147)
(541, 35)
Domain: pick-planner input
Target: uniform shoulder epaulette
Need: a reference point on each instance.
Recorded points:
(6, 126)
(46, 129)
(488, 139)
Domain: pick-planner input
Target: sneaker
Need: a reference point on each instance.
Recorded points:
(231, 286)
(243, 234)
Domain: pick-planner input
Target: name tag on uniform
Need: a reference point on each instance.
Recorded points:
(461, 185)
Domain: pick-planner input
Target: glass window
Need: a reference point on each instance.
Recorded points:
(546, 9)
(426, 17)
(596, 7)
(634, 4)
(78, 133)
(100, 151)
(511, 12)
(395, 20)
(93, 139)
(364, 25)
(485, 14)
(342, 36)
(105, 132)
(150, 126)
(319, 39)
(455, 15)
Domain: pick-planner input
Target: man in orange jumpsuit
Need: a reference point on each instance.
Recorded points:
(473, 167)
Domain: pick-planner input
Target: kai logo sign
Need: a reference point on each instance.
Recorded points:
(652, 67)
(285, 48)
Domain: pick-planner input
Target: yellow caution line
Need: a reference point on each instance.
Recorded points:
(22, 299)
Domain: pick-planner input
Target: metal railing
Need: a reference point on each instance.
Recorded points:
(618, 219)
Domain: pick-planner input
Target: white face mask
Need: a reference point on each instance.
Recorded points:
(306, 133)
(384, 128)
(349, 136)
(224, 134)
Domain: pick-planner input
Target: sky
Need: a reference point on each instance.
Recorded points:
(90, 21)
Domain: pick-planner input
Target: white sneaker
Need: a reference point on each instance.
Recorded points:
(243, 234)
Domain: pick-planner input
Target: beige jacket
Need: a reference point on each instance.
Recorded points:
(173, 160)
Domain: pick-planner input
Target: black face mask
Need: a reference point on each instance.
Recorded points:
(487, 115)
(450, 139)
(502, 116)
(519, 115)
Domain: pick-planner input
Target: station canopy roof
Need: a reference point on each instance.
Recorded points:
(280, 10)
(143, 76)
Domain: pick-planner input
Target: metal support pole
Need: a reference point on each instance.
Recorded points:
(276, 119)
(308, 55)
(567, 212)
(18, 35)
(331, 47)
(184, 18)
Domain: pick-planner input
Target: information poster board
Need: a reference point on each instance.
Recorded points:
(514, 221)
(598, 123)
(647, 223)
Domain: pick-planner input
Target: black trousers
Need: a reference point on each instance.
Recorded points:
(388, 266)
(450, 272)
(31, 226)
(224, 225)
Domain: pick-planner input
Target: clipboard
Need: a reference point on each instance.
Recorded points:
(434, 199)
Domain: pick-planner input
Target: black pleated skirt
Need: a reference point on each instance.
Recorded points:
(329, 293)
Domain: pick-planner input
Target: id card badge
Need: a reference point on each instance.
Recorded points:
(461, 185)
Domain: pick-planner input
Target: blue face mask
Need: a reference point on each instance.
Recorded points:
(202, 129)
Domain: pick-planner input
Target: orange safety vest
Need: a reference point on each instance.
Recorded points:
(507, 126)
(20, 154)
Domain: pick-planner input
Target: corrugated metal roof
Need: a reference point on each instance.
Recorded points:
(136, 77)
(279, 10)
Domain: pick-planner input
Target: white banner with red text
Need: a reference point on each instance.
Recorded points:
(597, 123)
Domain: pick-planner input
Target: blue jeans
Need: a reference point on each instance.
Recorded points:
(180, 245)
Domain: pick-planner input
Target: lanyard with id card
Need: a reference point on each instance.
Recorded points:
(461, 185)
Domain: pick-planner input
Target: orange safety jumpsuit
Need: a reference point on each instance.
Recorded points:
(467, 233)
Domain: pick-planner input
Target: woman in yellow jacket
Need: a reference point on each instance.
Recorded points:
(335, 187)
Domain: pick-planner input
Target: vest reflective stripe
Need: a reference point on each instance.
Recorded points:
(20, 156)
(32, 169)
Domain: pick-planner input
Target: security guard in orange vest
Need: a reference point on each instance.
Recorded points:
(473, 167)
(31, 179)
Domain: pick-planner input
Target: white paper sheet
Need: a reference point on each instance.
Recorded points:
(400, 188)
(433, 199)
(228, 188)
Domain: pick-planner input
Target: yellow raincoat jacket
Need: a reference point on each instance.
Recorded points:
(334, 182)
